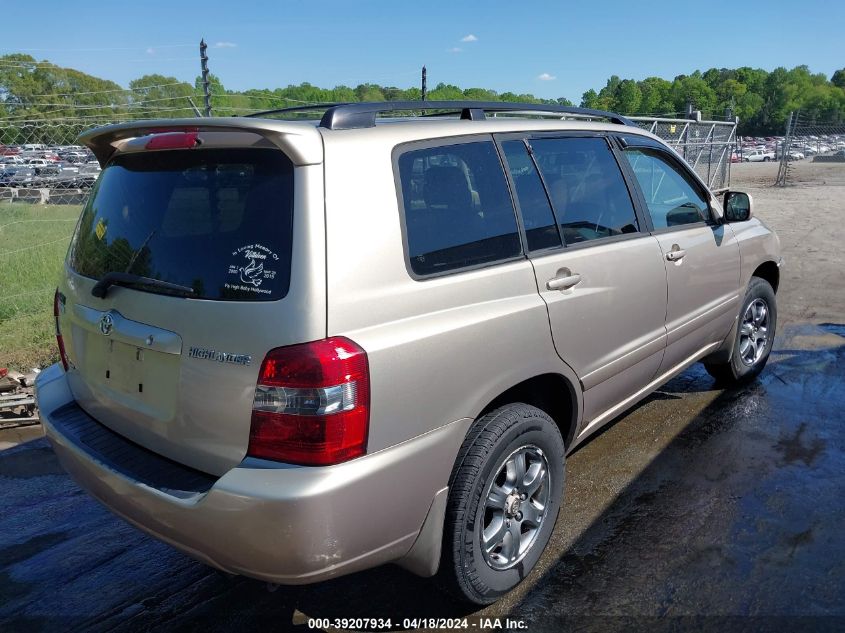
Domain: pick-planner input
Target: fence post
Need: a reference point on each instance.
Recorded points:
(783, 169)
(424, 85)
(205, 86)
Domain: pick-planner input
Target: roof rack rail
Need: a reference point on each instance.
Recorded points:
(301, 108)
(348, 116)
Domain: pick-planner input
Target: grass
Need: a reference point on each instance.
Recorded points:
(33, 243)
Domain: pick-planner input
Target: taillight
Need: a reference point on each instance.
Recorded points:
(312, 404)
(59, 308)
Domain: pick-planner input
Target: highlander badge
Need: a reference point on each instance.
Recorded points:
(220, 357)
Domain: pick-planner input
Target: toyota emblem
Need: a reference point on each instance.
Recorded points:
(106, 324)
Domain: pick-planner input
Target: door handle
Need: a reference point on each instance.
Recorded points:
(676, 254)
(563, 282)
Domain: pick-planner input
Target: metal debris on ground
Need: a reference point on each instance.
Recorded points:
(17, 399)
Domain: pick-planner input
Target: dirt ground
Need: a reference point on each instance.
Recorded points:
(809, 217)
(700, 509)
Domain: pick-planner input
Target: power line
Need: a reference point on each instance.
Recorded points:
(115, 48)
(268, 98)
(163, 59)
(92, 106)
(98, 92)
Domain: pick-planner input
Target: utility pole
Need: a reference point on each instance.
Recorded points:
(205, 85)
(424, 88)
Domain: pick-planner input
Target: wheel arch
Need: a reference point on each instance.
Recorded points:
(769, 271)
(552, 393)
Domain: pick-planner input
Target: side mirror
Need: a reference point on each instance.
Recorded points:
(739, 206)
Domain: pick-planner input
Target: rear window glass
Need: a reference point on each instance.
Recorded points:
(458, 210)
(218, 221)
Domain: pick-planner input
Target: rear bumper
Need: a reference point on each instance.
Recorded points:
(281, 524)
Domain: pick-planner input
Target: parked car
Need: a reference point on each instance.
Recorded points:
(298, 349)
(758, 155)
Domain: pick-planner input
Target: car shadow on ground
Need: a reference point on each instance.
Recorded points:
(736, 516)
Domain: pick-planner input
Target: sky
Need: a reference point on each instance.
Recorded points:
(549, 49)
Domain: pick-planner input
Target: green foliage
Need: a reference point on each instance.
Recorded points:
(37, 90)
(33, 241)
(762, 100)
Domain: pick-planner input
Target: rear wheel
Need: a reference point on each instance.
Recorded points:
(754, 336)
(504, 496)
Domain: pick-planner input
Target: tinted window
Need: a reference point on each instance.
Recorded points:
(671, 198)
(218, 221)
(587, 189)
(458, 210)
(540, 227)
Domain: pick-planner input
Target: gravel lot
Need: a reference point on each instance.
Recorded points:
(699, 509)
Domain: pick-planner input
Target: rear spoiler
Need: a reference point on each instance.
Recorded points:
(300, 141)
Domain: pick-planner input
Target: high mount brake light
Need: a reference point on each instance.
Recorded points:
(173, 140)
(312, 404)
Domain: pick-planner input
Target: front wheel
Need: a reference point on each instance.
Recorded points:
(755, 336)
(504, 497)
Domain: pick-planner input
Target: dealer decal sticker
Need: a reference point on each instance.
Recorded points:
(254, 263)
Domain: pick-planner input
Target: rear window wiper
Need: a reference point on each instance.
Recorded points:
(101, 288)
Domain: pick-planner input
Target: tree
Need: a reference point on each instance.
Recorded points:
(590, 99)
(33, 89)
(223, 102)
(695, 90)
(628, 97)
(160, 96)
(37, 90)
(656, 96)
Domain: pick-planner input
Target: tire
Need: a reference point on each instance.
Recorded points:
(766, 159)
(748, 357)
(489, 459)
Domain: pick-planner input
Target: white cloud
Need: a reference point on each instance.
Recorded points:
(469, 38)
(225, 45)
(546, 77)
(454, 50)
(151, 51)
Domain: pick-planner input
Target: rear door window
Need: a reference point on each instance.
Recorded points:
(586, 187)
(457, 207)
(217, 221)
(540, 227)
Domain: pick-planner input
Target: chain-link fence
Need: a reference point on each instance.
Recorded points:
(706, 145)
(40, 161)
(808, 139)
(46, 176)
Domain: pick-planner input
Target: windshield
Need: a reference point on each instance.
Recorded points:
(217, 221)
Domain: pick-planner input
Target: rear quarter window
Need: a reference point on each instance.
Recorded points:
(218, 221)
(457, 208)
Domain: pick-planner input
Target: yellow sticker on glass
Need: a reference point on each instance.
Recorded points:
(100, 230)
